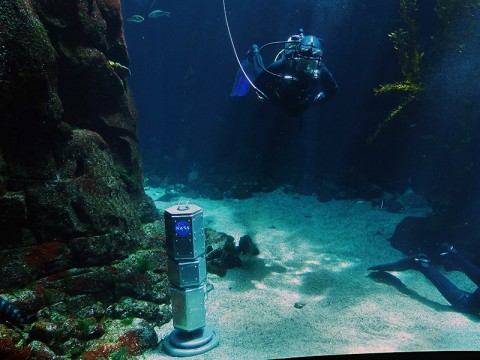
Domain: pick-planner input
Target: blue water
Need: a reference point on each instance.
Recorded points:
(192, 132)
(196, 140)
(183, 69)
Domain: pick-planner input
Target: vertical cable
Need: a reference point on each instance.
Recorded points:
(236, 55)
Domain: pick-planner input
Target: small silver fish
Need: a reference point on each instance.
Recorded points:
(135, 19)
(158, 13)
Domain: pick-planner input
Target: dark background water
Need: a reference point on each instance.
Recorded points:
(183, 68)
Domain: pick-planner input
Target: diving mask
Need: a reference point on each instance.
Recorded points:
(310, 47)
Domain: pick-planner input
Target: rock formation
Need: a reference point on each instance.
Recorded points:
(78, 235)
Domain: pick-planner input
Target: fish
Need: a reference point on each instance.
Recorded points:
(158, 13)
(121, 70)
(11, 313)
(136, 19)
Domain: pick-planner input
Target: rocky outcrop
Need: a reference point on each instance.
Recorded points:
(73, 213)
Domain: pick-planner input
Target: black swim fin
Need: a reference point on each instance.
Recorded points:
(411, 263)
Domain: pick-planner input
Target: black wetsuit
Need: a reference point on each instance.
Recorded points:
(295, 90)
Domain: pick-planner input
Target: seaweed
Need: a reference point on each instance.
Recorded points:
(125, 175)
(457, 20)
(144, 264)
(405, 44)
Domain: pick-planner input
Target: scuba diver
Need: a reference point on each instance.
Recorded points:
(460, 300)
(296, 80)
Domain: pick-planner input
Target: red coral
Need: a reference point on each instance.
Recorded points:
(9, 351)
(112, 269)
(39, 255)
(57, 276)
(80, 284)
(100, 352)
(39, 290)
(130, 341)
(134, 277)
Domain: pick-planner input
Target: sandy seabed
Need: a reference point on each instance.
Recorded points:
(316, 255)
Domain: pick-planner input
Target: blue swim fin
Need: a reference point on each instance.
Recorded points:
(241, 85)
(252, 66)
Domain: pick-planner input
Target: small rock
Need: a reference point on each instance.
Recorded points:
(41, 351)
(43, 331)
(299, 304)
(246, 246)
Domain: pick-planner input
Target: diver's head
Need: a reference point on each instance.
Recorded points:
(310, 47)
(308, 56)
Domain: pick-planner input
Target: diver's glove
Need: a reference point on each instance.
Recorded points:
(320, 97)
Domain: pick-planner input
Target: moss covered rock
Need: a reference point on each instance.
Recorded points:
(78, 233)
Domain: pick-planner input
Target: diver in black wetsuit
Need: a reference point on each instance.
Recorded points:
(294, 82)
(460, 300)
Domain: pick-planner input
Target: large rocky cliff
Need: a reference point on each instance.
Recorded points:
(79, 239)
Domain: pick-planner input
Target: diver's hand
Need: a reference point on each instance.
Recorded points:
(320, 96)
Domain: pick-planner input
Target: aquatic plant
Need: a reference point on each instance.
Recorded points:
(144, 264)
(48, 296)
(405, 43)
(131, 181)
(456, 21)
(127, 321)
(85, 324)
(76, 351)
(120, 354)
(9, 350)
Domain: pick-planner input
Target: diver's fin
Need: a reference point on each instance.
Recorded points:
(411, 263)
(252, 67)
(241, 85)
